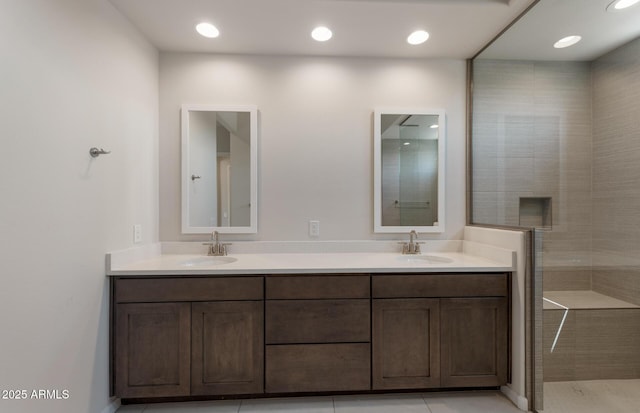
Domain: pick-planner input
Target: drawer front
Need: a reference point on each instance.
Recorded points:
(188, 289)
(317, 321)
(317, 368)
(294, 287)
(440, 285)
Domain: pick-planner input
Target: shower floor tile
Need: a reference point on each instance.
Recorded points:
(595, 396)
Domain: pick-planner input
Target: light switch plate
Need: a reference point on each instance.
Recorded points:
(314, 228)
(137, 233)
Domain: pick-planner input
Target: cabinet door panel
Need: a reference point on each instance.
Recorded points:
(152, 350)
(474, 341)
(227, 348)
(406, 348)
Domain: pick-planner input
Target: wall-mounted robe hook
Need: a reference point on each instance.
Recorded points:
(95, 152)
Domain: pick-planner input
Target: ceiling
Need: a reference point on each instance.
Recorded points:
(378, 28)
(533, 36)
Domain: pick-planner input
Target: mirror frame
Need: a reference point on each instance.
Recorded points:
(185, 178)
(377, 170)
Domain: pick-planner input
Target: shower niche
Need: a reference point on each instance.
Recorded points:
(535, 212)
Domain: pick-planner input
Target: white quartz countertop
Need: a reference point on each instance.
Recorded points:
(309, 263)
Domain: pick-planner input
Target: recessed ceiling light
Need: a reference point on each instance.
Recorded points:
(207, 30)
(434, 126)
(321, 34)
(417, 37)
(567, 41)
(407, 143)
(621, 4)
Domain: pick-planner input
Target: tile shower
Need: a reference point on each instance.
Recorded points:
(556, 146)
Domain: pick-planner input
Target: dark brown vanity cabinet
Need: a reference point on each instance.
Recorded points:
(440, 330)
(317, 333)
(214, 336)
(188, 336)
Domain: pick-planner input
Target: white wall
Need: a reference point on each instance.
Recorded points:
(74, 74)
(315, 134)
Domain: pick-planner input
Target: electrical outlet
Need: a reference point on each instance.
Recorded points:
(137, 233)
(314, 228)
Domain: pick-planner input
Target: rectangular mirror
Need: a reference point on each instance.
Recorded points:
(409, 170)
(219, 169)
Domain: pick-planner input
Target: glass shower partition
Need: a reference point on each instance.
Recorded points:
(555, 146)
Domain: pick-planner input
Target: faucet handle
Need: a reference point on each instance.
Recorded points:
(211, 247)
(223, 248)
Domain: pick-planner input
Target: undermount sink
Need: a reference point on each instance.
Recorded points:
(207, 261)
(425, 259)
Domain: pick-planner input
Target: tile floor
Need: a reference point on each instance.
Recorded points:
(450, 402)
(592, 396)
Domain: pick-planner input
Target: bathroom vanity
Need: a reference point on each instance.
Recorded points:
(278, 329)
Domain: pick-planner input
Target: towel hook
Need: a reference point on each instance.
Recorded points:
(95, 152)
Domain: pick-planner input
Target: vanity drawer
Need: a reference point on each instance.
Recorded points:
(151, 290)
(317, 368)
(317, 321)
(292, 287)
(440, 285)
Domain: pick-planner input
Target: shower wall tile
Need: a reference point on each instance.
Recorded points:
(592, 345)
(616, 172)
(623, 284)
(607, 343)
(567, 280)
(518, 137)
(616, 215)
(485, 207)
(546, 175)
(533, 119)
(485, 132)
(485, 173)
(515, 174)
(570, 249)
(559, 365)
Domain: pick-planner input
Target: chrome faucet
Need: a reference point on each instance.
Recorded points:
(215, 247)
(412, 247)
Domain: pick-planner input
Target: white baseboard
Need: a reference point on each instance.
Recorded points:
(112, 407)
(521, 402)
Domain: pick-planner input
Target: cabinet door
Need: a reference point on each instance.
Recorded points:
(474, 339)
(228, 351)
(152, 354)
(406, 347)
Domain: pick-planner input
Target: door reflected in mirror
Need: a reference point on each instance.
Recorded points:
(219, 169)
(409, 171)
